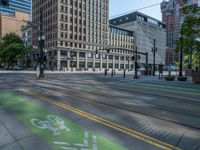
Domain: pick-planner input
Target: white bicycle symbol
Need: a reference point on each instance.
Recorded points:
(53, 123)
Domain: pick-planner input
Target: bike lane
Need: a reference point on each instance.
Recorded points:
(58, 132)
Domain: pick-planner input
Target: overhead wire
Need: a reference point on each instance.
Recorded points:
(47, 26)
(145, 7)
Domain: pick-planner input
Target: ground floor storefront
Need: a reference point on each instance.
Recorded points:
(84, 60)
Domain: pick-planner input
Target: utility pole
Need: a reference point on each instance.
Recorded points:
(154, 56)
(41, 45)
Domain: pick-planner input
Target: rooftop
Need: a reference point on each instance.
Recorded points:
(134, 17)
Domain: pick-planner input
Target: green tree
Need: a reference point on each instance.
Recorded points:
(190, 32)
(12, 49)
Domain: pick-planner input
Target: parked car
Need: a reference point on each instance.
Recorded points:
(15, 67)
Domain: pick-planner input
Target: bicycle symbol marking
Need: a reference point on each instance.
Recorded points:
(56, 125)
(53, 123)
(79, 146)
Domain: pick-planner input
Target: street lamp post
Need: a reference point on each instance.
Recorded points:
(72, 54)
(26, 46)
(154, 49)
(41, 60)
(41, 39)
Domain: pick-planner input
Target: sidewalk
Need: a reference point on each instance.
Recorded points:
(65, 72)
(88, 71)
(16, 136)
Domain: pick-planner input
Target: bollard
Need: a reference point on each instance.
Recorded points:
(112, 73)
(105, 72)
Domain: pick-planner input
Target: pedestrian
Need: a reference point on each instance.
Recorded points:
(161, 71)
(124, 73)
(150, 70)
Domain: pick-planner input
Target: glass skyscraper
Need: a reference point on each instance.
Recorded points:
(8, 7)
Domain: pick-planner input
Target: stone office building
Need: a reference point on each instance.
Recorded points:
(146, 29)
(76, 29)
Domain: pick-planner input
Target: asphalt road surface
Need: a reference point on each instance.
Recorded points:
(144, 114)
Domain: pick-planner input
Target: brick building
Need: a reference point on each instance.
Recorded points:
(13, 23)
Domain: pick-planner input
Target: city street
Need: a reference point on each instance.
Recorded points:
(97, 112)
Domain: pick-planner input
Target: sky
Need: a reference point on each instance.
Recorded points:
(118, 7)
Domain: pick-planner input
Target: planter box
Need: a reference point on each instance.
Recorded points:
(170, 78)
(183, 78)
(196, 77)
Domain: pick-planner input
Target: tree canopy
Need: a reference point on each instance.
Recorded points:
(190, 31)
(12, 49)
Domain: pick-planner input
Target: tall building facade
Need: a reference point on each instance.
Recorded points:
(27, 39)
(173, 17)
(8, 7)
(145, 29)
(74, 31)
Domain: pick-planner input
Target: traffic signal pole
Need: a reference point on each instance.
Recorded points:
(147, 57)
(154, 56)
(136, 64)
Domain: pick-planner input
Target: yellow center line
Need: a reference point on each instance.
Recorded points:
(133, 133)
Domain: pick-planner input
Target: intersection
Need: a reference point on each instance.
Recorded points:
(104, 112)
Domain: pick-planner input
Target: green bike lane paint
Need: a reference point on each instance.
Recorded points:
(59, 132)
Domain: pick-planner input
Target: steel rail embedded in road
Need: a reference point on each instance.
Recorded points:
(127, 109)
(133, 133)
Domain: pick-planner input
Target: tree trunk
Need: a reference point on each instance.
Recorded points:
(199, 60)
(190, 59)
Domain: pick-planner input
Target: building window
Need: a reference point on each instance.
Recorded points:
(61, 43)
(90, 55)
